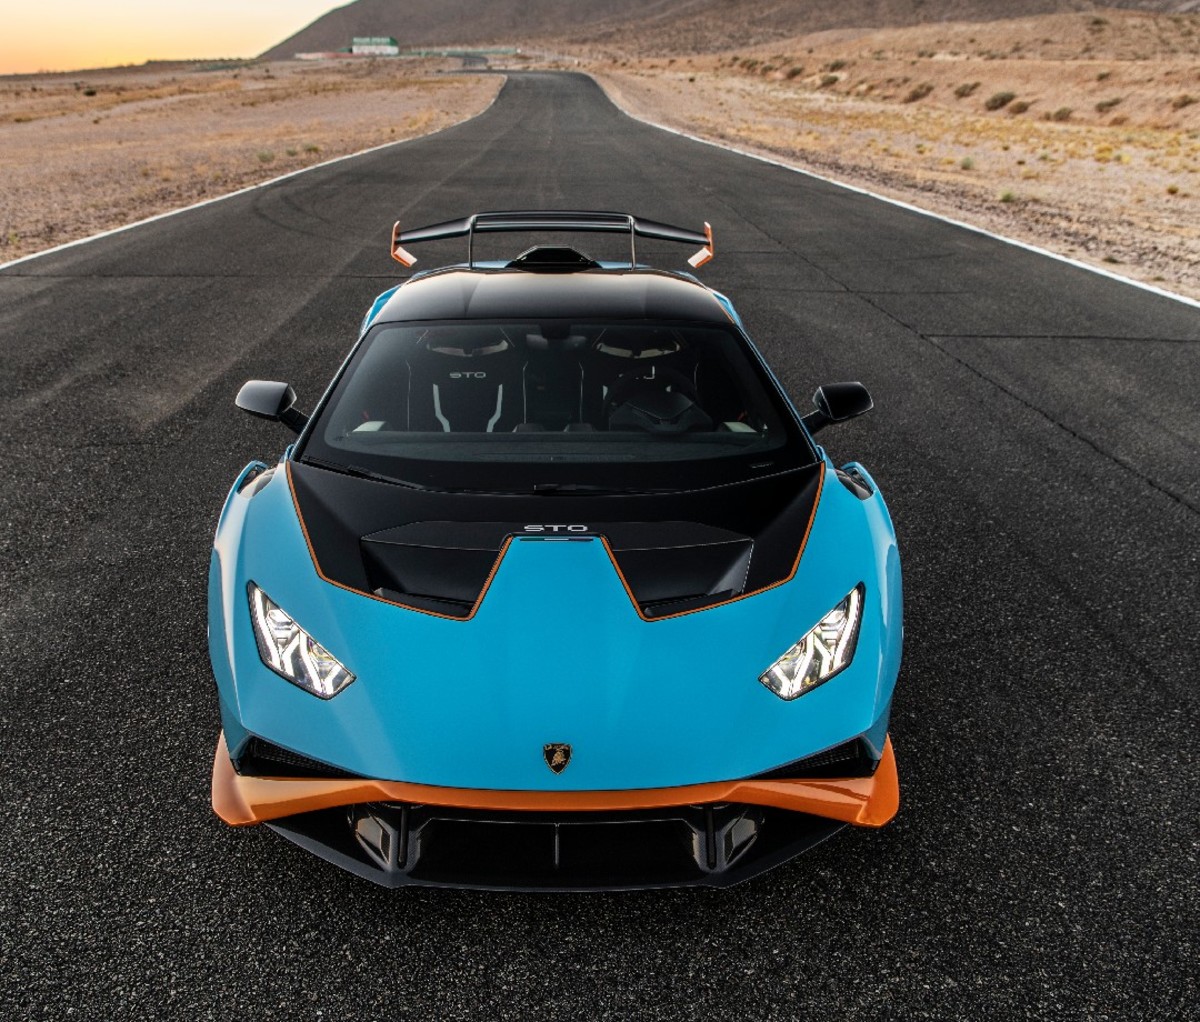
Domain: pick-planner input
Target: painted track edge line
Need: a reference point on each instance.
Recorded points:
(1028, 246)
(249, 188)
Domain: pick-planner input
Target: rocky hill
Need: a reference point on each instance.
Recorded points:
(641, 26)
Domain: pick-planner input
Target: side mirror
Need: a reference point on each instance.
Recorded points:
(837, 402)
(269, 399)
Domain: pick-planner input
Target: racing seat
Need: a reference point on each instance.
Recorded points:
(465, 380)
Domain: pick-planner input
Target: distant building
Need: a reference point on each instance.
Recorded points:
(375, 46)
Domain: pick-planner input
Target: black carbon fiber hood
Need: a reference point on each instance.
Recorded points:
(436, 551)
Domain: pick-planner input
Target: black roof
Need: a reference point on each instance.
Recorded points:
(642, 294)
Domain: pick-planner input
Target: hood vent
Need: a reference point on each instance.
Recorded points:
(669, 567)
(672, 567)
(436, 566)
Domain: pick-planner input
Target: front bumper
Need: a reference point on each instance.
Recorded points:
(396, 834)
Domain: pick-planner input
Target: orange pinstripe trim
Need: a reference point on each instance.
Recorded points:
(860, 801)
(607, 549)
(372, 596)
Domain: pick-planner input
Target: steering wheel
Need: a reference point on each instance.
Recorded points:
(662, 403)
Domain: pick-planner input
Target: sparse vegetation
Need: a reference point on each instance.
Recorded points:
(265, 156)
(1046, 150)
(864, 130)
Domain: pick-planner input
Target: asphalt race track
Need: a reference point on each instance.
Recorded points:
(1036, 434)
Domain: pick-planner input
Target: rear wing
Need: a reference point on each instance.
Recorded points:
(552, 220)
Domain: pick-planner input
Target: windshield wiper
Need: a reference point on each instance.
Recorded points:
(362, 473)
(541, 489)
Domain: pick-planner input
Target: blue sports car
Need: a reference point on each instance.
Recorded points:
(554, 588)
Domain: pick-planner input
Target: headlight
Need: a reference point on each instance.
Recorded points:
(822, 653)
(291, 652)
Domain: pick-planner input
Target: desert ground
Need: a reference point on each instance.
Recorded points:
(1079, 133)
(92, 150)
(1076, 132)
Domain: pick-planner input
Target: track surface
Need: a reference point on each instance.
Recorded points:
(1035, 434)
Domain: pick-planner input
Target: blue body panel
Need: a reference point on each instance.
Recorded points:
(376, 307)
(556, 652)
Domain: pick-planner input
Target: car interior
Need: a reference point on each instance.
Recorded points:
(548, 377)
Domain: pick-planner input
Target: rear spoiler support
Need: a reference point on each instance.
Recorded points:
(552, 220)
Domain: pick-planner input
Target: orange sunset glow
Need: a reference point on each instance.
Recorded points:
(65, 35)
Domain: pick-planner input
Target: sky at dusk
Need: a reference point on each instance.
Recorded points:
(67, 35)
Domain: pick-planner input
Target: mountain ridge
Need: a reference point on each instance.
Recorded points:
(667, 26)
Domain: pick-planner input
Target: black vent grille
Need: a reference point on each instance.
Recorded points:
(260, 758)
(850, 759)
(397, 844)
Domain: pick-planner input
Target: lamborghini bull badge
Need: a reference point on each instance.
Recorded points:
(557, 755)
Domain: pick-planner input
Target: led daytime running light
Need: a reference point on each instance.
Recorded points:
(291, 652)
(823, 653)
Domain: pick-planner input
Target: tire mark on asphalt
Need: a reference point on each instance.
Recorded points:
(934, 341)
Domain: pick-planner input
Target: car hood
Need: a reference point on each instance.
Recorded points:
(557, 648)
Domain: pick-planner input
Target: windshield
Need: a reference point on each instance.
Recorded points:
(560, 405)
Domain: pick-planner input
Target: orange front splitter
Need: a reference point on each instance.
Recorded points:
(861, 801)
